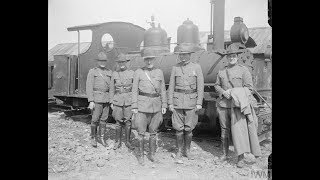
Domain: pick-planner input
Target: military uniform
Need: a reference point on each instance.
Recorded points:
(230, 77)
(120, 97)
(97, 89)
(185, 92)
(148, 97)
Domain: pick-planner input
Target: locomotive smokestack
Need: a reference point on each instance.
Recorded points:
(218, 23)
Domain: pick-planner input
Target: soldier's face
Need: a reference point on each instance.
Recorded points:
(184, 57)
(149, 62)
(102, 63)
(123, 65)
(233, 59)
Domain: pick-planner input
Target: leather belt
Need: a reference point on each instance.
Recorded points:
(149, 94)
(101, 90)
(185, 91)
(123, 91)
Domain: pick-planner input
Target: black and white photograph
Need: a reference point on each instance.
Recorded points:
(160, 89)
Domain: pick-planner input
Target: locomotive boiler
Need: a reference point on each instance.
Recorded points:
(70, 72)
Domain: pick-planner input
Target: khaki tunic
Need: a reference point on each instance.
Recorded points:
(142, 83)
(185, 77)
(97, 85)
(121, 82)
(121, 95)
(239, 76)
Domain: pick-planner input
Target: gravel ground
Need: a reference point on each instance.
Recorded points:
(70, 156)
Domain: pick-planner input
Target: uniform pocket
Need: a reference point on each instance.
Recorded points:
(237, 81)
(99, 96)
(179, 78)
(177, 99)
(192, 80)
(193, 99)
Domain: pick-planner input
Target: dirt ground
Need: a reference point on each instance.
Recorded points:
(70, 156)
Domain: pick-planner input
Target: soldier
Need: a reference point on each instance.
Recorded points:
(149, 102)
(120, 99)
(185, 99)
(97, 88)
(232, 76)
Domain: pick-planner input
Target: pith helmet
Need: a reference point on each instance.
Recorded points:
(233, 49)
(102, 57)
(122, 58)
(149, 53)
(184, 49)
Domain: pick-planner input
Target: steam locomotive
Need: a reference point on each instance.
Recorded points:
(67, 74)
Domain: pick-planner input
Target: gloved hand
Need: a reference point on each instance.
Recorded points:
(226, 94)
(171, 107)
(198, 107)
(164, 110)
(91, 105)
(135, 111)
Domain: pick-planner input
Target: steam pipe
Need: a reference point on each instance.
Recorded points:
(78, 60)
(211, 16)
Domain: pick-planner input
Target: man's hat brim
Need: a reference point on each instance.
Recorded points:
(101, 59)
(234, 52)
(148, 57)
(123, 60)
(183, 52)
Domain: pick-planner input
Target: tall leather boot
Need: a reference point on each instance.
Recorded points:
(187, 144)
(127, 135)
(118, 137)
(152, 148)
(180, 139)
(141, 150)
(225, 149)
(102, 128)
(93, 135)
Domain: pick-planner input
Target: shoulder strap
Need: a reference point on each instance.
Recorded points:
(150, 81)
(106, 79)
(228, 77)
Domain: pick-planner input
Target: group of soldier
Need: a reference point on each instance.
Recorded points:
(142, 94)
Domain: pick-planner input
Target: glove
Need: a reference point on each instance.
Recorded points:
(171, 107)
(111, 106)
(198, 107)
(91, 105)
(135, 111)
(164, 110)
(226, 94)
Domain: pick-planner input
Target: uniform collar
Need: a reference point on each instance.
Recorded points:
(121, 70)
(231, 66)
(148, 69)
(185, 63)
(102, 68)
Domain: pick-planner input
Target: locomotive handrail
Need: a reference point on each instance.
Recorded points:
(262, 98)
